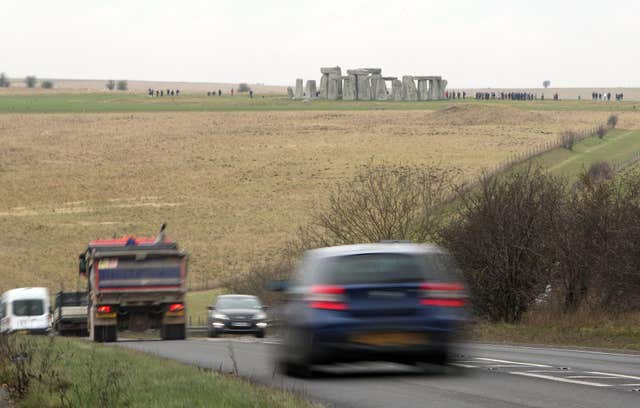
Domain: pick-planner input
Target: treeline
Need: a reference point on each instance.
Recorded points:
(523, 239)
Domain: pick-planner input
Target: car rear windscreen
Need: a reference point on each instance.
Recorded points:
(28, 307)
(371, 268)
(129, 272)
(384, 268)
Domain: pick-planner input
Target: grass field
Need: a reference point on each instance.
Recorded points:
(233, 186)
(137, 102)
(96, 375)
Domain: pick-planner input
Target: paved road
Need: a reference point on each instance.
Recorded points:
(484, 376)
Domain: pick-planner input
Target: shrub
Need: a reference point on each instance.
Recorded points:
(569, 138)
(122, 85)
(30, 81)
(243, 87)
(546, 83)
(381, 202)
(111, 84)
(612, 122)
(47, 84)
(500, 237)
(599, 172)
(601, 131)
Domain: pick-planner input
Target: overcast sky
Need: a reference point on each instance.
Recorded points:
(474, 43)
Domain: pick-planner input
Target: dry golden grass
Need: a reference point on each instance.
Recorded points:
(231, 186)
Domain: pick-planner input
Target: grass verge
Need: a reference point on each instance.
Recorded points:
(84, 374)
(197, 302)
(574, 331)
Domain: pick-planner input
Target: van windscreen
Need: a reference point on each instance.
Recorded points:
(28, 307)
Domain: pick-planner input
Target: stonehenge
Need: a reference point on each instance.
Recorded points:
(368, 84)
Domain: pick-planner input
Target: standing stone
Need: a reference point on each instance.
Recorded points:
(442, 85)
(409, 91)
(299, 94)
(379, 89)
(290, 92)
(334, 88)
(396, 90)
(324, 86)
(311, 89)
(423, 89)
(375, 78)
(349, 88)
(364, 88)
(432, 94)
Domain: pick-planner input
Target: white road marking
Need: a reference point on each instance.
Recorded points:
(560, 349)
(614, 375)
(549, 371)
(463, 365)
(606, 377)
(513, 362)
(548, 377)
(630, 385)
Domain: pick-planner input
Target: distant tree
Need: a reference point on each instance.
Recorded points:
(243, 87)
(111, 85)
(30, 81)
(4, 82)
(47, 84)
(546, 83)
(123, 85)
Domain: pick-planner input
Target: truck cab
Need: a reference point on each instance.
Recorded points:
(135, 284)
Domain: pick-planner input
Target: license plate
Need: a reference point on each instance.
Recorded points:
(389, 339)
(240, 324)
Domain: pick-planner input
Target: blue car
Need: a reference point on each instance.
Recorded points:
(395, 302)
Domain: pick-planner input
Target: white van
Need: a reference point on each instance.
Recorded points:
(25, 310)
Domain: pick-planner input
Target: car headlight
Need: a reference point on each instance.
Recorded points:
(220, 316)
(260, 316)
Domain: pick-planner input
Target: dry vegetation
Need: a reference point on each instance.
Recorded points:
(231, 185)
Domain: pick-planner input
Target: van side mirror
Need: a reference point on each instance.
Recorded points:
(82, 265)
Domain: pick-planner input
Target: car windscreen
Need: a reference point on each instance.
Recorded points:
(238, 303)
(370, 269)
(74, 299)
(28, 307)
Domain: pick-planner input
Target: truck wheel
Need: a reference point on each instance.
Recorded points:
(112, 334)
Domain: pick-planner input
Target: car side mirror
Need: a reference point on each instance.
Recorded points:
(266, 307)
(82, 264)
(280, 285)
(211, 307)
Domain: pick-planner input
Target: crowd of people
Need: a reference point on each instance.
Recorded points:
(511, 96)
(599, 96)
(455, 94)
(162, 92)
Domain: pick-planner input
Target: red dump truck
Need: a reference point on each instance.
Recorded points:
(135, 284)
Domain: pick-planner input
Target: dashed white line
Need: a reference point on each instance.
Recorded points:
(630, 385)
(463, 365)
(614, 375)
(565, 380)
(520, 363)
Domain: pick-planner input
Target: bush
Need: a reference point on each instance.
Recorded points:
(546, 83)
(30, 81)
(569, 138)
(4, 81)
(500, 237)
(47, 84)
(599, 172)
(243, 87)
(123, 85)
(111, 84)
(601, 131)
(612, 122)
(381, 202)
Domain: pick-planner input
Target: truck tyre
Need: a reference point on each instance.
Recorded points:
(105, 334)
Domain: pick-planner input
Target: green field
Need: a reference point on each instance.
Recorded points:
(82, 374)
(617, 146)
(130, 102)
(197, 302)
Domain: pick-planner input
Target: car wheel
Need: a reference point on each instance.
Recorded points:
(213, 333)
(295, 354)
(260, 334)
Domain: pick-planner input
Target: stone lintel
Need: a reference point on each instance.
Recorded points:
(330, 70)
(389, 78)
(423, 78)
(357, 72)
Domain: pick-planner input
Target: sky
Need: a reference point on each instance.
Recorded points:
(481, 43)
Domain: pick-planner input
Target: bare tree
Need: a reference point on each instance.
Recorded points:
(122, 85)
(4, 81)
(546, 83)
(243, 87)
(111, 84)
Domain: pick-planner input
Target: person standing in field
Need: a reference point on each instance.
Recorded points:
(251, 93)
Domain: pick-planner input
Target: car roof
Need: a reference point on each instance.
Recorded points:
(378, 248)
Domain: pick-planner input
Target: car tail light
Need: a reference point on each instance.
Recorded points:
(176, 307)
(443, 294)
(327, 297)
(104, 309)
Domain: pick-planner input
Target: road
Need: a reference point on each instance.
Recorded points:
(484, 375)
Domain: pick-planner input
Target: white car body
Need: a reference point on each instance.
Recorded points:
(25, 310)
